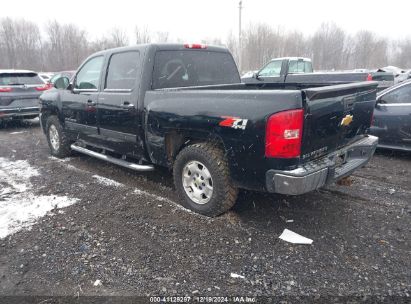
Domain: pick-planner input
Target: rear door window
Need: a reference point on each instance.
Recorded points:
(122, 71)
(7, 79)
(193, 68)
(299, 66)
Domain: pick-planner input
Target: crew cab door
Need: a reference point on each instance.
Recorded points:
(392, 117)
(79, 104)
(118, 113)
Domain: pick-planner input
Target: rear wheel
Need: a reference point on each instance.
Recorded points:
(57, 139)
(202, 180)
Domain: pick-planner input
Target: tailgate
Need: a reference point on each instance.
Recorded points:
(336, 116)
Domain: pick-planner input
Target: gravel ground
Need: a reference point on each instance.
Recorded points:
(125, 229)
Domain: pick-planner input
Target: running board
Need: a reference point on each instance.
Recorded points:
(113, 160)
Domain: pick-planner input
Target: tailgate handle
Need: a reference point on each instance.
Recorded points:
(348, 102)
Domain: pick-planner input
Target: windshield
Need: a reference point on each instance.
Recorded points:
(193, 68)
(19, 79)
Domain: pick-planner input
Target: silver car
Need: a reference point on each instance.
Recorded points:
(19, 93)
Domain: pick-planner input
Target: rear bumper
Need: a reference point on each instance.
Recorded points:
(315, 174)
(18, 112)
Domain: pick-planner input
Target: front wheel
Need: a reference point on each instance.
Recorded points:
(202, 180)
(58, 142)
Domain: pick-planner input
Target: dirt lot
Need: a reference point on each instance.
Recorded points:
(125, 229)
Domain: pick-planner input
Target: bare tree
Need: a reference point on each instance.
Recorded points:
(370, 51)
(260, 44)
(8, 36)
(231, 43)
(295, 44)
(162, 37)
(327, 47)
(65, 46)
(118, 37)
(402, 53)
(115, 38)
(142, 35)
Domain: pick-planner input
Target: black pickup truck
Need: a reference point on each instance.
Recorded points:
(184, 107)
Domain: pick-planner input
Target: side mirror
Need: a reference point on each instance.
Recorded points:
(255, 75)
(379, 101)
(62, 83)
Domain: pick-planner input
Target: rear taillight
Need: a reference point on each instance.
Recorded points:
(369, 77)
(195, 46)
(43, 87)
(6, 89)
(283, 134)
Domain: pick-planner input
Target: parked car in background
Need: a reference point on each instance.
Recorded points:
(399, 74)
(392, 117)
(384, 79)
(300, 70)
(19, 93)
(46, 76)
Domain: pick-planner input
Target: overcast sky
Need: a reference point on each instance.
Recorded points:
(195, 20)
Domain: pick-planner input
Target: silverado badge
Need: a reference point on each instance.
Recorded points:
(347, 120)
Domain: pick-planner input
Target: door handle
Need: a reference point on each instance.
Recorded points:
(91, 102)
(127, 105)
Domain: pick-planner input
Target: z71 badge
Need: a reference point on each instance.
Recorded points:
(233, 122)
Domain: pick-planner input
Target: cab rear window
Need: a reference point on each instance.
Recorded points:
(19, 79)
(193, 68)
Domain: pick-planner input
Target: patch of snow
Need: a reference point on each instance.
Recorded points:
(22, 211)
(107, 181)
(19, 206)
(16, 174)
(237, 276)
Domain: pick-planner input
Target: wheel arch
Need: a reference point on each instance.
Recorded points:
(175, 141)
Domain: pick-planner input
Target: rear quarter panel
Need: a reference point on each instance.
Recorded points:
(197, 114)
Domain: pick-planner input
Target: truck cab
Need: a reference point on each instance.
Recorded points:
(277, 69)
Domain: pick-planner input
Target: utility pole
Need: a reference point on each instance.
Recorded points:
(240, 42)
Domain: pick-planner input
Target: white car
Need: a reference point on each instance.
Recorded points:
(46, 76)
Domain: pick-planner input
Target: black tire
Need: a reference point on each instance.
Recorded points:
(63, 148)
(224, 193)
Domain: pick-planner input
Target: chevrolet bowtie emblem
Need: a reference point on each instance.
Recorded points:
(346, 120)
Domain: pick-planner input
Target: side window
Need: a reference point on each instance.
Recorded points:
(122, 71)
(299, 66)
(88, 77)
(272, 69)
(186, 68)
(400, 95)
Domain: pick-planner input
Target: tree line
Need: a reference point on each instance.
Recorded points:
(23, 45)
